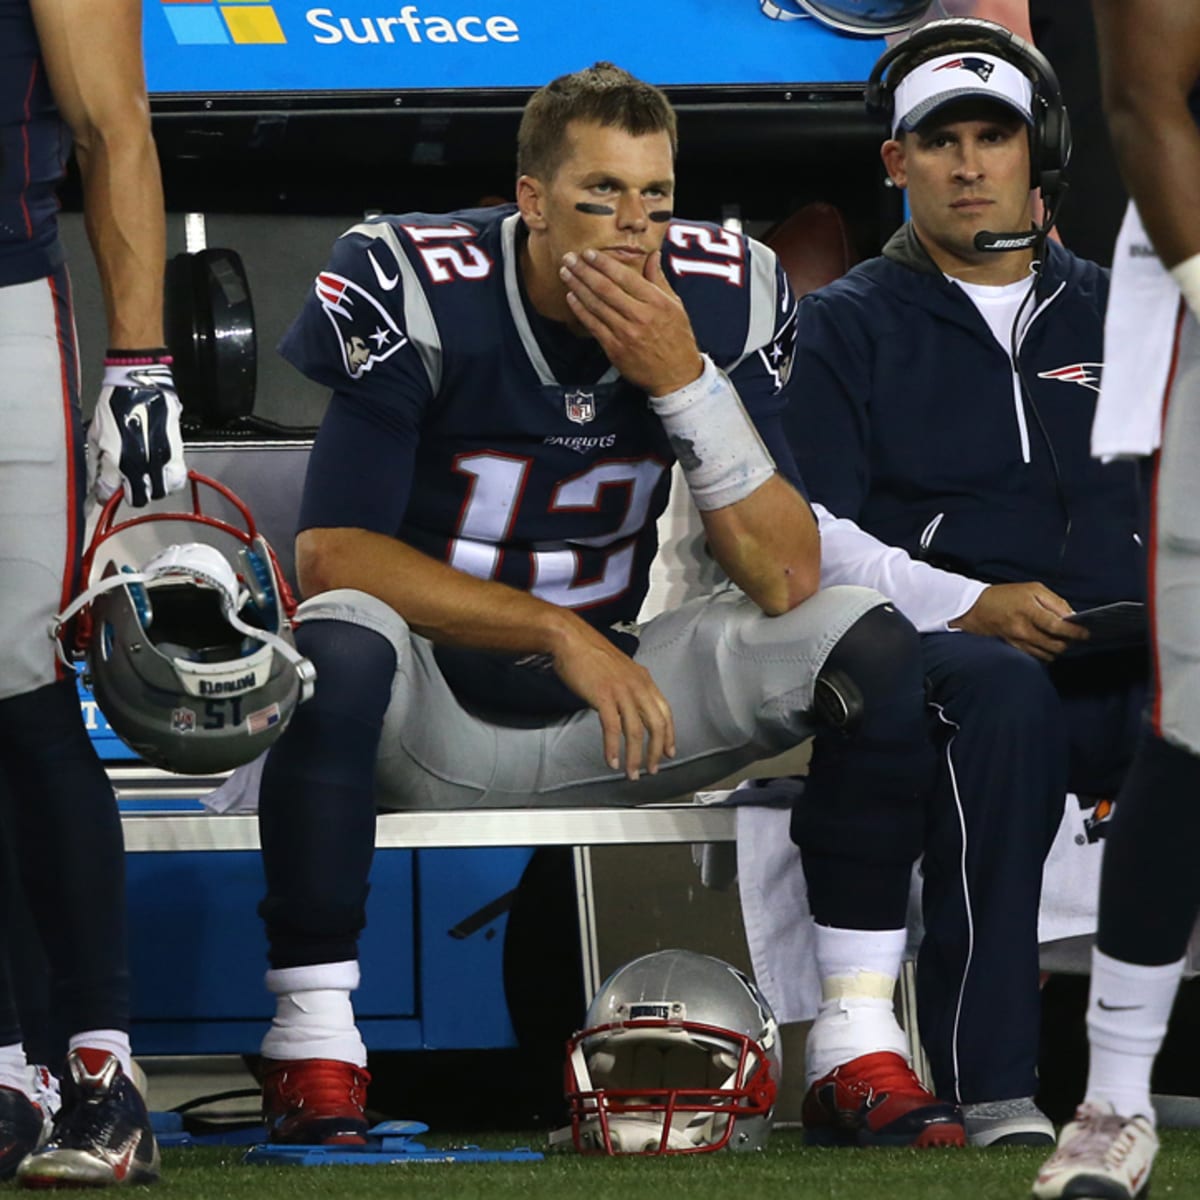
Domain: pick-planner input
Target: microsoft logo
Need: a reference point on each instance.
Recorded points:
(205, 23)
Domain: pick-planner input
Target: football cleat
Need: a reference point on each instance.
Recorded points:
(20, 1129)
(1016, 1122)
(1100, 1156)
(315, 1102)
(101, 1135)
(877, 1100)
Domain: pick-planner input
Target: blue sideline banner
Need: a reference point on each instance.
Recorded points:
(231, 46)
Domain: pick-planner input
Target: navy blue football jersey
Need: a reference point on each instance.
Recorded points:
(495, 440)
(34, 146)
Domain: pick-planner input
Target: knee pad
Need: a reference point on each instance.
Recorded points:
(873, 760)
(355, 668)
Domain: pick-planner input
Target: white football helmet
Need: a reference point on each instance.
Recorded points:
(680, 1054)
(190, 657)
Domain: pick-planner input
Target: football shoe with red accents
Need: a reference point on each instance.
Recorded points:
(877, 1100)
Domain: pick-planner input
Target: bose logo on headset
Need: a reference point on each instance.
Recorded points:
(1050, 133)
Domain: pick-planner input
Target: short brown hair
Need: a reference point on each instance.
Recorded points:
(603, 94)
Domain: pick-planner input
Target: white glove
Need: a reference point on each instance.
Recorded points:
(134, 439)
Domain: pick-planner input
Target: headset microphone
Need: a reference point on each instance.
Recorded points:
(1052, 197)
(1001, 242)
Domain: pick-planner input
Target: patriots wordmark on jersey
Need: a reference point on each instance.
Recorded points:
(495, 440)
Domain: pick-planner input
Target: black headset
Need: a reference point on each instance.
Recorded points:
(1050, 137)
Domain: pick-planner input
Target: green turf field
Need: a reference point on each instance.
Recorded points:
(786, 1169)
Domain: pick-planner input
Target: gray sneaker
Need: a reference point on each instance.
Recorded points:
(1016, 1122)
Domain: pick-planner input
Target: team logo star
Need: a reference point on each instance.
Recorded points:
(380, 337)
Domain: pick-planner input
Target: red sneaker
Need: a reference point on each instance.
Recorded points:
(315, 1102)
(877, 1100)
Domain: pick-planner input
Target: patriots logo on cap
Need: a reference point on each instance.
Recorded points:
(367, 332)
(1085, 374)
(980, 66)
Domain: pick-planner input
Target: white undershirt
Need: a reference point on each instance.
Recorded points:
(998, 305)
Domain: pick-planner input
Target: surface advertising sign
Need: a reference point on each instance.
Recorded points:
(246, 46)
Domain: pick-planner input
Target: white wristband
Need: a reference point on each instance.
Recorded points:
(722, 456)
(1187, 275)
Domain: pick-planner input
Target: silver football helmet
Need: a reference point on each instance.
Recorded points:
(872, 18)
(679, 1054)
(190, 657)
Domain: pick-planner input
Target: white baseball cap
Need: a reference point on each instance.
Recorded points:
(950, 77)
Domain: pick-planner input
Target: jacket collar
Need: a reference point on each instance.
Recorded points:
(906, 250)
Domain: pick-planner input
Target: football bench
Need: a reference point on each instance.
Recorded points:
(154, 819)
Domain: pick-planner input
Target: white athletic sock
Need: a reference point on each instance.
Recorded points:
(858, 969)
(14, 1070)
(1128, 1008)
(314, 1017)
(845, 953)
(114, 1041)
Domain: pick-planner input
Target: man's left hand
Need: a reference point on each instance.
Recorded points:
(636, 317)
(134, 440)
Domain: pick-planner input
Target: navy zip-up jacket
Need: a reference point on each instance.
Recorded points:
(905, 419)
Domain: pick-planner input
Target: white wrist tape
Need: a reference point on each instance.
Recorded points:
(722, 456)
(1187, 275)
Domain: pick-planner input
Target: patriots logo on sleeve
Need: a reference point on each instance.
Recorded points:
(781, 353)
(367, 332)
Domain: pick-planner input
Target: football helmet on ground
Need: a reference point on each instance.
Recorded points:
(679, 1054)
(190, 657)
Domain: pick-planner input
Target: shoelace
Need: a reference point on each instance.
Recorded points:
(317, 1089)
(92, 1118)
(1104, 1136)
(890, 1073)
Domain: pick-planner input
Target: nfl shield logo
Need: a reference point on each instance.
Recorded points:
(183, 720)
(581, 407)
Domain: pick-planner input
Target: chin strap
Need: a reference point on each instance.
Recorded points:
(304, 669)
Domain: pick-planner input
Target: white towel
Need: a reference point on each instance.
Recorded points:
(779, 925)
(1139, 343)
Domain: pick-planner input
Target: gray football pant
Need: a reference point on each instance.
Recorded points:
(38, 532)
(740, 686)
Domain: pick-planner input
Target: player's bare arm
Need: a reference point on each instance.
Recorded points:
(454, 608)
(1149, 63)
(767, 543)
(102, 98)
(1028, 616)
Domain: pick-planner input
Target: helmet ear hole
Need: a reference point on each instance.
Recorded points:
(256, 575)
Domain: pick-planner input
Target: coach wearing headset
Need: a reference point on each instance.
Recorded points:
(944, 404)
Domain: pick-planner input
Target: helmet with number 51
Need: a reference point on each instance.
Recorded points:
(191, 655)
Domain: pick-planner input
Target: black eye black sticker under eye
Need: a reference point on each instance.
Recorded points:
(594, 210)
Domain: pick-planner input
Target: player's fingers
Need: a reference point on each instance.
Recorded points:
(669, 733)
(653, 274)
(610, 725)
(583, 299)
(656, 727)
(594, 325)
(594, 281)
(635, 733)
